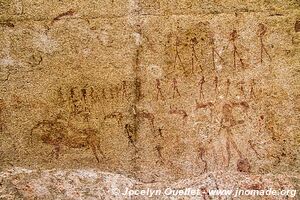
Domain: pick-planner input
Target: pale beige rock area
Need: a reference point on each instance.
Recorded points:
(99, 95)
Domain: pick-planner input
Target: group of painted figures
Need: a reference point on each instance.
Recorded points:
(59, 132)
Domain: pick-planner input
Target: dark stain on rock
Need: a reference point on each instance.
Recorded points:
(256, 186)
(7, 24)
(297, 26)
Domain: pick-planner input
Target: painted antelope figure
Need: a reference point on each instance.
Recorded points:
(115, 115)
(209, 105)
(55, 133)
(70, 12)
(227, 109)
(146, 115)
(179, 112)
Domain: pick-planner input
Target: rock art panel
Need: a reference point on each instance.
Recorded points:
(154, 90)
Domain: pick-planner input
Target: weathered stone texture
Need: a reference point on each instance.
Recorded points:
(155, 90)
(19, 183)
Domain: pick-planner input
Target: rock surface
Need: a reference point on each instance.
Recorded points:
(162, 91)
(19, 183)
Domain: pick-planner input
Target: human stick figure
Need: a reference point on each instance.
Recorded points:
(216, 83)
(159, 91)
(262, 29)
(228, 83)
(195, 58)
(177, 57)
(214, 54)
(201, 82)
(227, 122)
(175, 88)
(236, 54)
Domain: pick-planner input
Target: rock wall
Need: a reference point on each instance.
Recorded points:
(153, 90)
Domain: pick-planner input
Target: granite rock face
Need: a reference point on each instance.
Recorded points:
(158, 91)
(20, 183)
